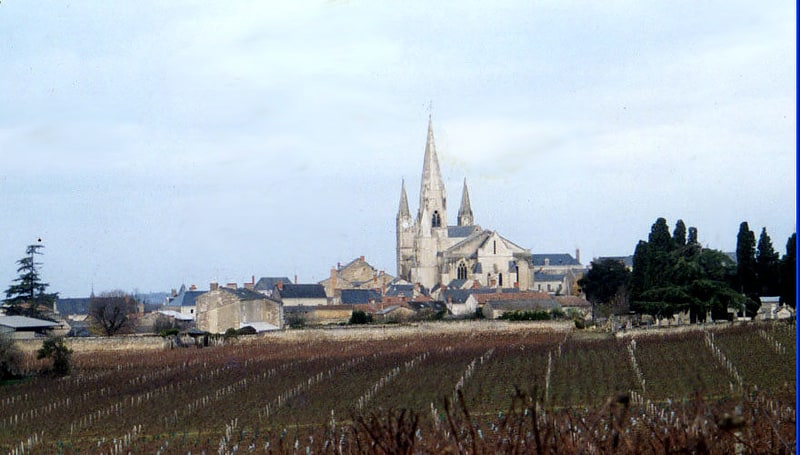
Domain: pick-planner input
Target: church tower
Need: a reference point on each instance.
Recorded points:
(405, 237)
(465, 217)
(431, 220)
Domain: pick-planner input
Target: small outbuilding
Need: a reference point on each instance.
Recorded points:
(23, 327)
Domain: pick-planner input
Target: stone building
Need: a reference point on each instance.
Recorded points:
(223, 308)
(432, 253)
(357, 274)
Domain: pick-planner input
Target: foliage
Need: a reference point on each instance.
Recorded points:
(28, 295)
(679, 234)
(231, 333)
(360, 317)
(604, 280)
(557, 313)
(746, 275)
(788, 271)
(671, 276)
(57, 349)
(170, 332)
(295, 321)
(767, 266)
(10, 358)
(247, 330)
(525, 316)
(111, 312)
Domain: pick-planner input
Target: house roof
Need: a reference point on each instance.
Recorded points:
(434, 306)
(177, 315)
(359, 296)
(244, 293)
(572, 301)
(73, 305)
(24, 322)
(395, 290)
(259, 326)
(524, 304)
(185, 298)
(540, 276)
(557, 259)
(461, 295)
(267, 283)
(303, 291)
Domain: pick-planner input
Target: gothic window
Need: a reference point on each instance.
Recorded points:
(437, 220)
(500, 280)
(494, 247)
(462, 271)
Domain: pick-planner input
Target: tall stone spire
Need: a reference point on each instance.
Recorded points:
(465, 217)
(432, 196)
(403, 211)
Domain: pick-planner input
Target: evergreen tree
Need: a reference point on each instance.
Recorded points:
(767, 265)
(746, 260)
(27, 295)
(692, 236)
(679, 234)
(788, 267)
(659, 237)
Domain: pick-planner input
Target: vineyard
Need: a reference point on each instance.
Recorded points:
(727, 389)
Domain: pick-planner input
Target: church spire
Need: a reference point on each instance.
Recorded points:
(403, 211)
(432, 193)
(465, 217)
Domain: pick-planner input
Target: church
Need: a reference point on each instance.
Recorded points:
(432, 253)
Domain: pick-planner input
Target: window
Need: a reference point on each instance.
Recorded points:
(494, 247)
(500, 280)
(437, 220)
(462, 271)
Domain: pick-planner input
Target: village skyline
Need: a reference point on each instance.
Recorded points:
(150, 146)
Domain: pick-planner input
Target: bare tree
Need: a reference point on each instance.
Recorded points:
(111, 312)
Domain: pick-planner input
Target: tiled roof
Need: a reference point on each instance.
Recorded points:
(511, 296)
(558, 259)
(267, 283)
(359, 296)
(302, 291)
(523, 305)
(573, 301)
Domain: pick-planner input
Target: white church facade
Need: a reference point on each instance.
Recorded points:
(432, 253)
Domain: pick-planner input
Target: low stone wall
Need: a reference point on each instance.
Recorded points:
(88, 344)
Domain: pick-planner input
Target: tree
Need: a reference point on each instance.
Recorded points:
(57, 349)
(746, 276)
(27, 294)
(605, 283)
(767, 266)
(679, 234)
(111, 312)
(692, 240)
(788, 266)
(10, 358)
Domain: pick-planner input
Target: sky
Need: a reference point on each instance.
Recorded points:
(151, 144)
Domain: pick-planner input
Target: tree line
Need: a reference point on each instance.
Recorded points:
(673, 273)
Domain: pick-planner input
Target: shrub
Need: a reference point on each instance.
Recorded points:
(169, 332)
(557, 313)
(10, 358)
(56, 348)
(231, 333)
(360, 317)
(247, 330)
(295, 321)
(526, 316)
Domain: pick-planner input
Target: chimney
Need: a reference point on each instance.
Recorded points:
(192, 288)
(295, 278)
(279, 285)
(578, 254)
(253, 280)
(213, 286)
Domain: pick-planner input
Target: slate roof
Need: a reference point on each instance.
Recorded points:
(359, 296)
(461, 231)
(457, 284)
(303, 291)
(185, 298)
(24, 322)
(523, 305)
(434, 306)
(558, 259)
(244, 293)
(73, 306)
(395, 290)
(267, 283)
(540, 276)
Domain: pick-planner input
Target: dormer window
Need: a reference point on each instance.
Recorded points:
(436, 219)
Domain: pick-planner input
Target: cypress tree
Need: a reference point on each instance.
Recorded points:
(788, 266)
(746, 261)
(692, 236)
(679, 234)
(767, 265)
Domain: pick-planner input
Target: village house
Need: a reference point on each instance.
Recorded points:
(184, 302)
(557, 273)
(496, 304)
(292, 295)
(357, 274)
(223, 308)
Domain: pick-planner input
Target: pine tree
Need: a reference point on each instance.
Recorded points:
(767, 265)
(28, 295)
(789, 273)
(679, 235)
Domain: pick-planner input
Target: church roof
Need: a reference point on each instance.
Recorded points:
(557, 259)
(470, 245)
(403, 211)
(431, 174)
(461, 231)
(466, 207)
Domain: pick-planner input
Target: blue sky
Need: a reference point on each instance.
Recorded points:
(151, 144)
